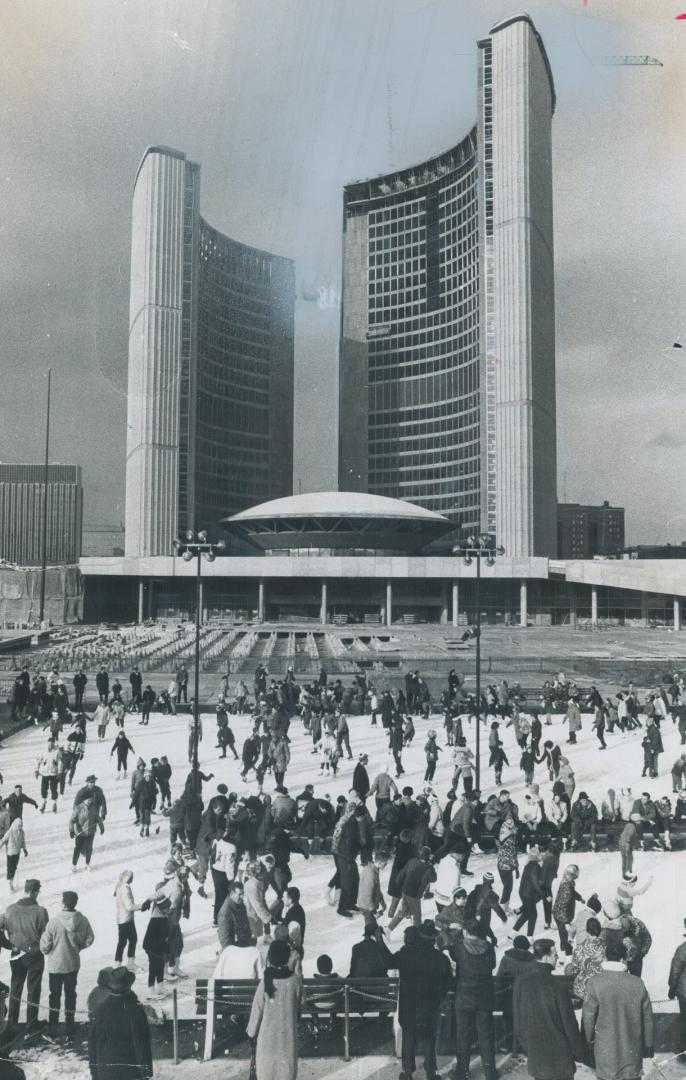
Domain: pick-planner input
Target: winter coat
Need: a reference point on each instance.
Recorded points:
(369, 895)
(63, 939)
(24, 923)
(233, 927)
(545, 1025)
(531, 885)
(447, 880)
(403, 853)
(14, 839)
(507, 853)
(119, 1040)
(145, 794)
(274, 1023)
(85, 820)
(566, 776)
(564, 906)
(574, 720)
(281, 755)
(618, 1023)
(425, 978)
(481, 901)
(125, 903)
(474, 962)
(586, 961)
(383, 786)
(677, 972)
(360, 782)
(514, 962)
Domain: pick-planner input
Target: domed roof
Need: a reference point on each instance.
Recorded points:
(338, 504)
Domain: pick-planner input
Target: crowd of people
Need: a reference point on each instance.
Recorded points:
(397, 855)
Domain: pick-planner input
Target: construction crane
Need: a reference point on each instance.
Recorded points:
(631, 61)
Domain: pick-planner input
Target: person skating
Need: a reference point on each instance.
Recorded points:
(122, 747)
(148, 698)
(83, 825)
(565, 904)
(474, 959)
(531, 891)
(15, 842)
(144, 800)
(47, 768)
(431, 752)
(126, 908)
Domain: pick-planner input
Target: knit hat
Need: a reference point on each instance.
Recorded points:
(631, 877)
(520, 942)
(488, 876)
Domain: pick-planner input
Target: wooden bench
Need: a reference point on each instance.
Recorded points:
(232, 1001)
(610, 831)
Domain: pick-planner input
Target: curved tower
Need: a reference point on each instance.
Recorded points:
(210, 393)
(447, 352)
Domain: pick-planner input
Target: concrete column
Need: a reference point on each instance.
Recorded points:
(677, 613)
(389, 603)
(444, 603)
(523, 600)
(594, 605)
(456, 602)
(572, 605)
(151, 598)
(141, 600)
(644, 606)
(260, 600)
(324, 607)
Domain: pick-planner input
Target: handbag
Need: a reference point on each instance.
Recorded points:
(253, 1062)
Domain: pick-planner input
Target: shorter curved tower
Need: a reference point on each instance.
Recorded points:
(210, 392)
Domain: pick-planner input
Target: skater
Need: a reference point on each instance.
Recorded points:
(15, 842)
(162, 772)
(144, 801)
(225, 736)
(126, 925)
(102, 717)
(431, 751)
(148, 698)
(564, 906)
(48, 768)
(62, 941)
(83, 824)
(122, 746)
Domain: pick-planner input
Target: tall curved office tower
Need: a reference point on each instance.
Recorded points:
(447, 353)
(210, 391)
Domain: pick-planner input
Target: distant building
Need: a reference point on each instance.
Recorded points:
(656, 551)
(102, 541)
(585, 531)
(210, 388)
(22, 490)
(447, 352)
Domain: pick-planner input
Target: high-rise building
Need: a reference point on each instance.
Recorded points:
(585, 531)
(22, 501)
(210, 394)
(447, 355)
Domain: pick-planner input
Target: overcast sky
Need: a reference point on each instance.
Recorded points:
(283, 102)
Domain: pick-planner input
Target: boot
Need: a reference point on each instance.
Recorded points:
(54, 808)
(668, 842)
(142, 831)
(42, 809)
(147, 830)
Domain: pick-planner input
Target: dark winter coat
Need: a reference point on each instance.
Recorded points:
(361, 782)
(403, 853)
(545, 1025)
(515, 962)
(474, 962)
(425, 978)
(531, 886)
(565, 901)
(119, 1040)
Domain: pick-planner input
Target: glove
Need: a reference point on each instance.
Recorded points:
(671, 995)
(71, 834)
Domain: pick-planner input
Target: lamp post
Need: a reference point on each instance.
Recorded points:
(478, 547)
(194, 547)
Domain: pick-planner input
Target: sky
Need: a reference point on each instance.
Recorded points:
(283, 102)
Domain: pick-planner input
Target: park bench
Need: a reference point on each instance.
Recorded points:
(226, 1004)
(609, 832)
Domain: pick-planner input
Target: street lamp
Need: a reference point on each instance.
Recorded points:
(478, 547)
(194, 547)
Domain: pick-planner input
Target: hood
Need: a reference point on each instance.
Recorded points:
(521, 955)
(69, 919)
(475, 946)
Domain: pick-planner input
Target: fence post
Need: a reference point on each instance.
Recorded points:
(209, 1020)
(175, 1025)
(347, 1022)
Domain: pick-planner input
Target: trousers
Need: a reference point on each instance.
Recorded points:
(28, 969)
(57, 983)
(425, 1035)
(471, 1023)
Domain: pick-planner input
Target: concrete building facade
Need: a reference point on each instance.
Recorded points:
(210, 392)
(22, 495)
(447, 376)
